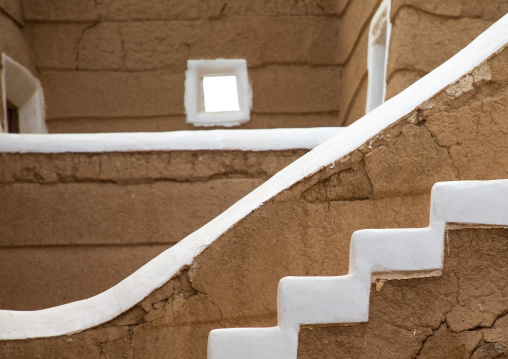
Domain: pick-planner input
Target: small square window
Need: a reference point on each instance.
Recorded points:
(217, 92)
(220, 94)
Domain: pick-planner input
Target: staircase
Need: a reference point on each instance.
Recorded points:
(374, 254)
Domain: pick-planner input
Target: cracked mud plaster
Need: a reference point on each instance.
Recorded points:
(348, 184)
(416, 318)
(421, 39)
(142, 167)
(155, 328)
(460, 134)
(403, 160)
(473, 126)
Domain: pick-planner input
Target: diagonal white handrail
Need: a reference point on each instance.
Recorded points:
(345, 299)
(77, 316)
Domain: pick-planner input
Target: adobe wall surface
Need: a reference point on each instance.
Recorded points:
(427, 33)
(13, 42)
(460, 134)
(112, 65)
(12, 39)
(74, 225)
(461, 314)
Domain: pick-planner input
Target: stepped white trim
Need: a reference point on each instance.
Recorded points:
(77, 316)
(345, 299)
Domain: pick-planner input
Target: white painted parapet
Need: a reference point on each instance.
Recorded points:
(241, 140)
(407, 253)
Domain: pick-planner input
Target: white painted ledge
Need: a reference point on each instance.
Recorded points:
(242, 140)
(345, 299)
(90, 312)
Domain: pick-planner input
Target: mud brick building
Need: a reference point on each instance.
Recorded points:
(136, 223)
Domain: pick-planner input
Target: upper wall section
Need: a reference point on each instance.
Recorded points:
(12, 40)
(112, 66)
(427, 33)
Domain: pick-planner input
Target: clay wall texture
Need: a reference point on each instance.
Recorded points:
(74, 225)
(460, 134)
(111, 65)
(427, 33)
(13, 41)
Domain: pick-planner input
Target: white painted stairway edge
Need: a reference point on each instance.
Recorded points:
(77, 316)
(345, 299)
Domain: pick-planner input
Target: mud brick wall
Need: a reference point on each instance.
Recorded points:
(74, 225)
(427, 33)
(460, 134)
(113, 65)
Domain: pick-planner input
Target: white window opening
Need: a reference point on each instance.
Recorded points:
(379, 40)
(217, 92)
(220, 94)
(23, 101)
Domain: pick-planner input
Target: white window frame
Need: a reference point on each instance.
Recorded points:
(377, 57)
(194, 97)
(23, 90)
